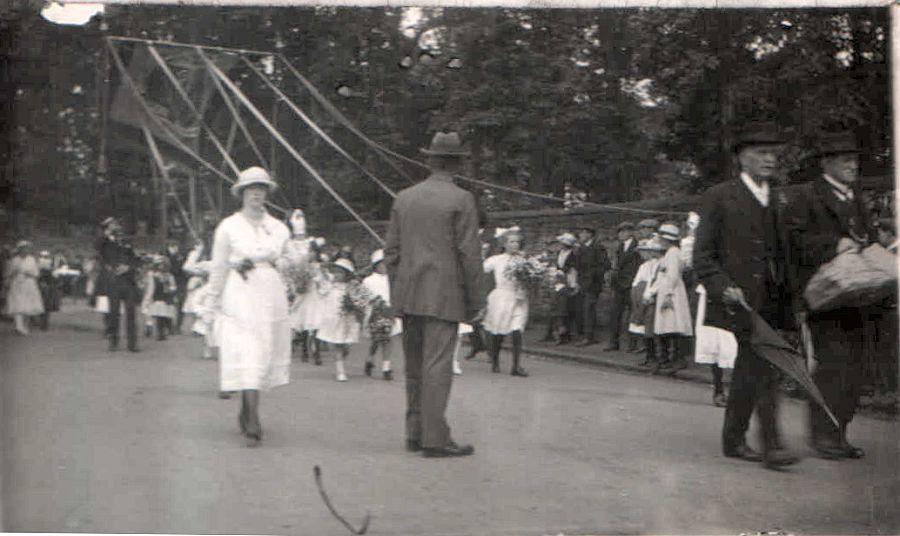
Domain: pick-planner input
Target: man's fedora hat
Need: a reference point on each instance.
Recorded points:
(250, 176)
(834, 143)
(758, 133)
(446, 144)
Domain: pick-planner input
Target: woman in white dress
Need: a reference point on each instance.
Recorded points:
(672, 320)
(507, 304)
(23, 298)
(249, 299)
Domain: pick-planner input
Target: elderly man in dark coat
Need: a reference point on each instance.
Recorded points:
(627, 263)
(825, 219)
(120, 264)
(738, 257)
(433, 257)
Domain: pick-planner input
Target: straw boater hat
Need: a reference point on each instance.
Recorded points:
(445, 144)
(251, 176)
(377, 256)
(567, 239)
(346, 265)
(669, 231)
(651, 245)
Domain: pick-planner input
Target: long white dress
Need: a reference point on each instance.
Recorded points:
(507, 304)
(23, 296)
(380, 285)
(252, 326)
(198, 271)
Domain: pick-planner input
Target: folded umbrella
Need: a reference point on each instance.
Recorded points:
(768, 344)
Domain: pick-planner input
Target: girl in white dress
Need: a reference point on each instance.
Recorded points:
(377, 283)
(249, 299)
(159, 297)
(23, 298)
(507, 304)
(335, 327)
(672, 320)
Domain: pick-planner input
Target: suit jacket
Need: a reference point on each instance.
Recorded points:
(592, 262)
(176, 266)
(432, 252)
(740, 244)
(627, 264)
(816, 220)
(115, 253)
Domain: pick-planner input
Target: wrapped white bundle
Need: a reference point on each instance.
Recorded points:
(853, 279)
(712, 345)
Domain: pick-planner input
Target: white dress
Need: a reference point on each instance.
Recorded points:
(23, 296)
(507, 304)
(304, 304)
(380, 285)
(334, 327)
(252, 328)
(198, 270)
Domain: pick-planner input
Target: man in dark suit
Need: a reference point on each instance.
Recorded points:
(591, 263)
(825, 219)
(738, 257)
(433, 257)
(627, 263)
(176, 258)
(120, 262)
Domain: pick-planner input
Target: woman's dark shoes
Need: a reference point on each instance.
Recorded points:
(744, 452)
(778, 458)
(253, 434)
(519, 371)
(451, 450)
(720, 400)
(387, 375)
(242, 422)
(369, 368)
(225, 395)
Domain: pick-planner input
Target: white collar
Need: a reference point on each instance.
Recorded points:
(841, 190)
(759, 191)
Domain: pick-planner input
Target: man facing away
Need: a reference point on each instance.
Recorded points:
(433, 257)
(738, 257)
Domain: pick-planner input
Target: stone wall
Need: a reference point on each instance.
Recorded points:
(539, 228)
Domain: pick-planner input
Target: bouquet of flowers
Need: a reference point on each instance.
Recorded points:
(357, 300)
(531, 272)
(297, 277)
(380, 322)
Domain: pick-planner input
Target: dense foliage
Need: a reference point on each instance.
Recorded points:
(624, 104)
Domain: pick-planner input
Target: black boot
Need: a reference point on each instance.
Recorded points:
(649, 353)
(304, 346)
(496, 344)
(517, 370)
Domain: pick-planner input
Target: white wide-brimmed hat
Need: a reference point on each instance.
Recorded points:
(377, 256)
(652, 244)
(346, 265)
(669, 231)
(567, 238)
(250, 176)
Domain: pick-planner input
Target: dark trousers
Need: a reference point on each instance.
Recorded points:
(618, 318)
(839, 341)
(589, 315)
(754, 384)
(180, 296)
(121, 290)
(428, 344)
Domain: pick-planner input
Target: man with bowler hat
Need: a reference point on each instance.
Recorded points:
(433, 257)
(120, 263)
(738, 258)
(826, 219)
(627, 263)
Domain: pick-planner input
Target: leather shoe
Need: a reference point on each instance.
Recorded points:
(451, 450)
(776, 458)
(853, 452)
(827, 451)
(413, 445)
(519, 371)
(369, 368)
(745, 453)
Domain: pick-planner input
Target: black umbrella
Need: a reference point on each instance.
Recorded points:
(773, 348)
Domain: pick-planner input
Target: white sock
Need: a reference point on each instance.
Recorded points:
(385, 365)
(339, 365)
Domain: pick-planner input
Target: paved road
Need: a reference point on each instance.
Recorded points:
(99, 442)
